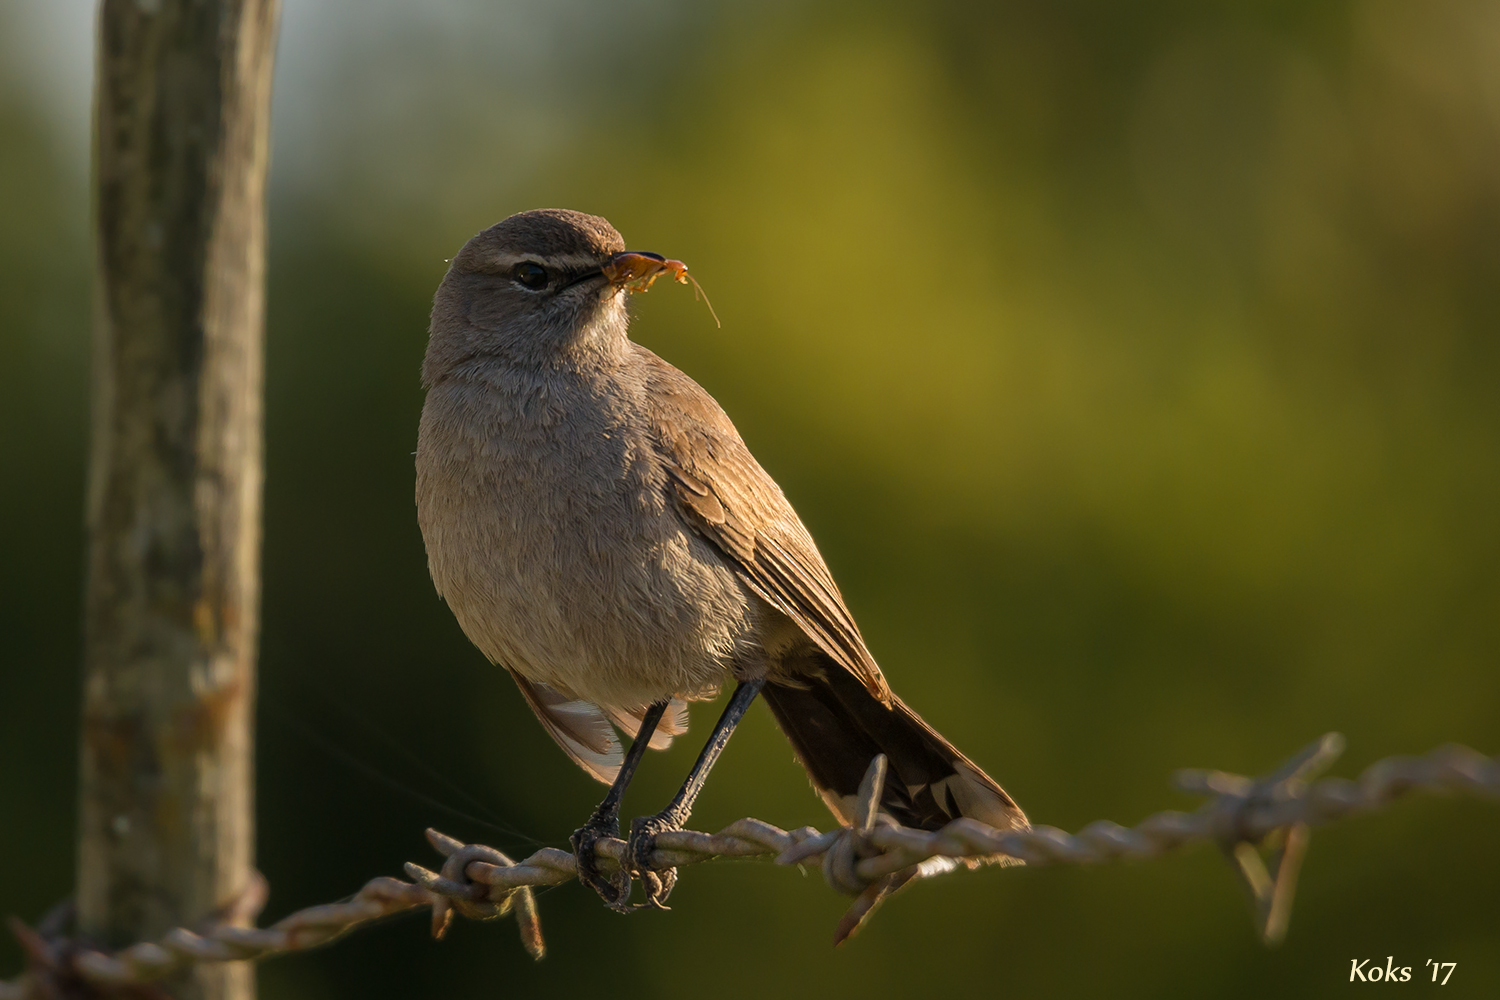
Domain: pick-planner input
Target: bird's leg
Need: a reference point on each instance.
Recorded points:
(643, 829)
(606, 820)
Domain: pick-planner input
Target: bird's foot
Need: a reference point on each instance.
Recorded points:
(658, 882)
(614, 889)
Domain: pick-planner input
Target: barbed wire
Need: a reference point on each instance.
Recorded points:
(870, 861)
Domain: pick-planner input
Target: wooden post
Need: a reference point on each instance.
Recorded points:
(174, 498)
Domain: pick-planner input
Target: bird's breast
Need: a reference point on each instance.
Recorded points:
(551, 533)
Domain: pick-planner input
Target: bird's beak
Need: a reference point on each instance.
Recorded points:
(579, 279)
(634, 270)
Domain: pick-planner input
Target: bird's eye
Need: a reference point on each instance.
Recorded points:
(532, 275)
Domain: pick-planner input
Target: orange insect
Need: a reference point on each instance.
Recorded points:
(635, 272)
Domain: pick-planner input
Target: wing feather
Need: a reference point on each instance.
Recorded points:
(731, 501)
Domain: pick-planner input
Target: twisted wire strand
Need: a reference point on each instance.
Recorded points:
(1240, 810)
(868, 861)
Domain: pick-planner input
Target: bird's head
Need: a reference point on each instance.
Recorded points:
(532, 290)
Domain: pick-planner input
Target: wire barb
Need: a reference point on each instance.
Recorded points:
(870, 861)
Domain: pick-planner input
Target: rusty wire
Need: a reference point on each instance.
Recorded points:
(868, 861)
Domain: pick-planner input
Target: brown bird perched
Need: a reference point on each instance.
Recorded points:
(599, 530)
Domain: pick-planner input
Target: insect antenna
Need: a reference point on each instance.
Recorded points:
(698, 291)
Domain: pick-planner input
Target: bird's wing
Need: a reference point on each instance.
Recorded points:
(730, 500)
(579, 727)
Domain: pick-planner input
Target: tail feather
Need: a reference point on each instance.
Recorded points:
(836, 727)
(674, 722)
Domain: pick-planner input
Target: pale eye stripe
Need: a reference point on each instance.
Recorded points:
(564, 263)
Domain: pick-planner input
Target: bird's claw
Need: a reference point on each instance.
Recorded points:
(614, 889)
(658, 882)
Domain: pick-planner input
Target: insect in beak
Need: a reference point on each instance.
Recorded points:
(637, 271)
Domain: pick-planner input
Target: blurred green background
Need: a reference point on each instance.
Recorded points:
(1137, 368)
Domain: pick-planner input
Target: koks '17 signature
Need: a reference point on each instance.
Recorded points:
(1362, 971)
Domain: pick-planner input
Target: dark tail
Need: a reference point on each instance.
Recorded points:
(837, 727)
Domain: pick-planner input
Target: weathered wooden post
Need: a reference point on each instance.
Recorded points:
(171, 614)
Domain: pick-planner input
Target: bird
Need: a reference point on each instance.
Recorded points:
(600, 530)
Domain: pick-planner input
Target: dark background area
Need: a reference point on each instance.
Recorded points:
(1135, 367)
